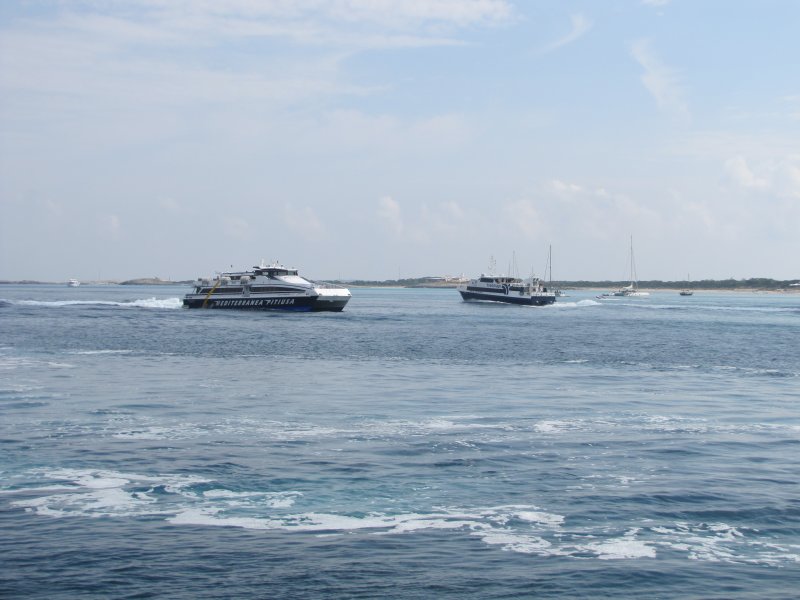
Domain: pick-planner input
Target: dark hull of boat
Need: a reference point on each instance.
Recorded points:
(534, 300)
(291, 303)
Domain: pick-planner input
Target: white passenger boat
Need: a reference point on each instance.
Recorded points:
(73, 283)
(511, 290)
(266, 287)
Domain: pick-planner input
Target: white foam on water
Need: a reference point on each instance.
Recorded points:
(269, 499)
(207, 518)
(541, 517)
(554, 426)
(99, 502)
(169, 303)
(92, 352)
(521, 543)
(578, 304)
(448, 424)
(99, 493)
(153, 433)
(12, 363)
(36, 490)
(523, 528)
(622, 548)
(716, 542)
(483, 523)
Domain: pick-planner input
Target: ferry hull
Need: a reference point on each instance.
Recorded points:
(535, 300)
(295, 303)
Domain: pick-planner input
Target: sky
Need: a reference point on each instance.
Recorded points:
(377, 139)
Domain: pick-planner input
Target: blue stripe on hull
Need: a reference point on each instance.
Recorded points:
(510, 299)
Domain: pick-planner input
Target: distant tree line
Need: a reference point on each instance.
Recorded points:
(760, 283)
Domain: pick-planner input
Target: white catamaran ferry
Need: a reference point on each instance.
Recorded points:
(266, 287)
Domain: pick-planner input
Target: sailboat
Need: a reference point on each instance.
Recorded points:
(558, 293)
(686, 291)
(632, 289)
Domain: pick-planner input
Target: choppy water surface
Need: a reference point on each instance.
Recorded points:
(411, 446)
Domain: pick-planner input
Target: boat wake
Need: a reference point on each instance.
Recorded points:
(170, 303)
(578, 304)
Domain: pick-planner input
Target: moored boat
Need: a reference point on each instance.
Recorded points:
(687, 291)
(632, 289)
(266, 287)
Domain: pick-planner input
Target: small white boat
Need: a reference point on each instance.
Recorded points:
(632, 289)
(686, 291)
(73, 283)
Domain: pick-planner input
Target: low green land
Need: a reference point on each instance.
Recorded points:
(753, 284)
(758, 283)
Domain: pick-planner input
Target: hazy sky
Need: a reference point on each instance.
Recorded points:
(379, 138)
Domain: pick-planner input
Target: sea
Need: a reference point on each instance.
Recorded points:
(412, 446)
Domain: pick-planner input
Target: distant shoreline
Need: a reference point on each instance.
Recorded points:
(727, 285)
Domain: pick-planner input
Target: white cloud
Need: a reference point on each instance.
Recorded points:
(561, 187)
(410, 13)
(425, 224)
(776, 178)
(741, 174)
(92, 58)
(388, 12)
(655, 2)
(304, 221)
(524, 216)
(170, 205)
(580, 26)
(389, 212)
(787, 179)
(453, 210)
(236, 228)
(573, 210)
(110, 227)
(661, 81)
(342, 23)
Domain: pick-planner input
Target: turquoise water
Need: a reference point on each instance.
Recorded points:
(411, 446)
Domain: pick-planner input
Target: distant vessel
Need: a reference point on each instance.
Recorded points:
(686, 291)
(503, 288)
(558, 293)
(511, 290)
(73, 283)
(266, 287)
(631, 290)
